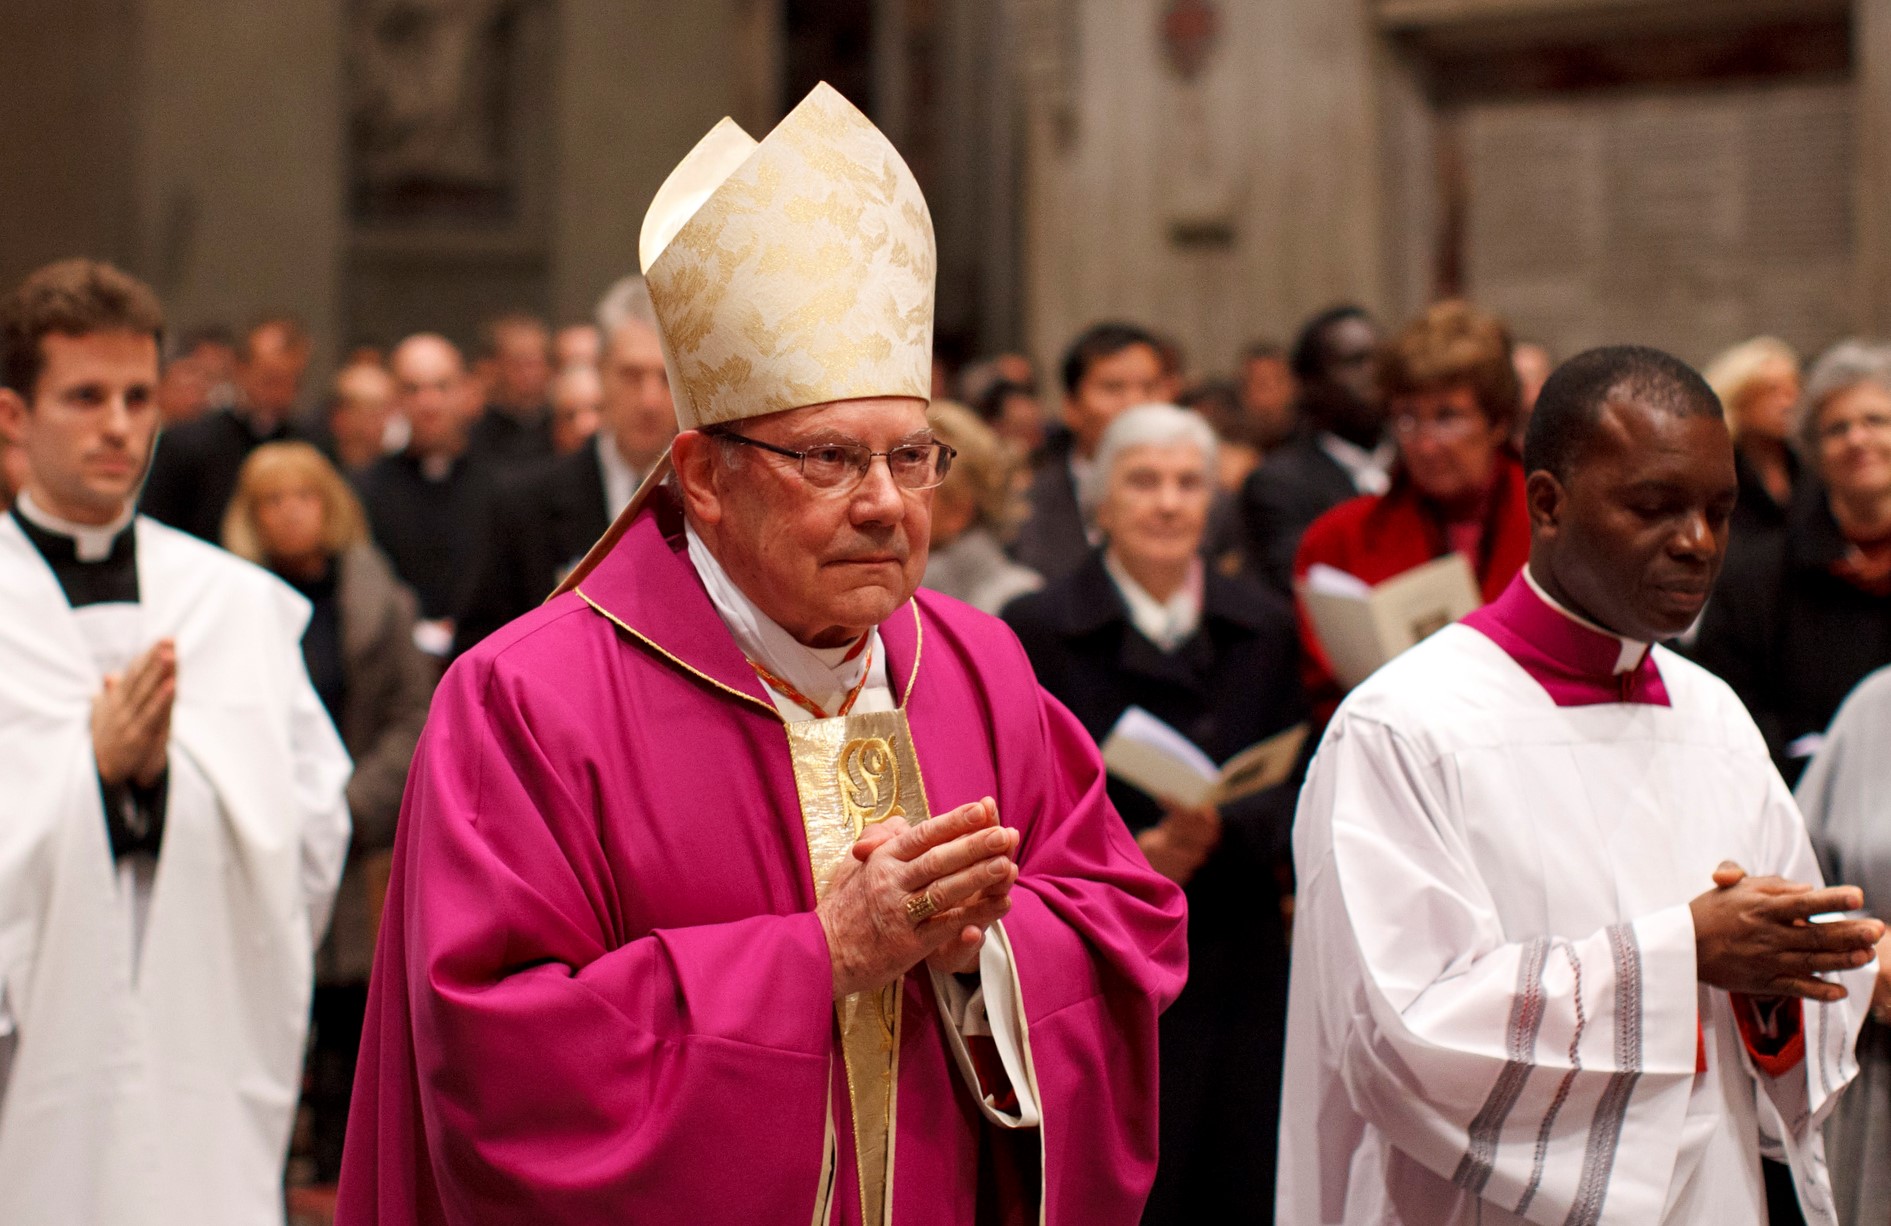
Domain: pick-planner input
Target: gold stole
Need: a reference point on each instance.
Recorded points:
(852, 771)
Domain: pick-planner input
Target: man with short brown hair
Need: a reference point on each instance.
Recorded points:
(424, 503)
(1110, 367)
(173, 809)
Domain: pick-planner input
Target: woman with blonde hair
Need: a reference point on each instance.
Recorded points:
(972, 514)
(1758, 385)
(294, 514)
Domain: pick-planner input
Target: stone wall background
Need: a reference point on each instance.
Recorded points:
(1382, 151)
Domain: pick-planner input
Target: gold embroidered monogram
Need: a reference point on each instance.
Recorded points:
(869, 782)
(851, 772)
(791, 272)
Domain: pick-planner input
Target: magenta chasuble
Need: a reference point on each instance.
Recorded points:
(601, 993)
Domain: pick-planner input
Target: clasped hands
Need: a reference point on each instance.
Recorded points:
(1756, 935)
(961, 861)
(131, 718)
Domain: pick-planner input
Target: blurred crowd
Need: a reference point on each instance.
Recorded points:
(1141, 526)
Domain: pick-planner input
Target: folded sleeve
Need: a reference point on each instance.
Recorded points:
(985, 1027)
(1099, 947)
(1800, 1093)
(320, 787)
(1549, 1075)
(548, 1054)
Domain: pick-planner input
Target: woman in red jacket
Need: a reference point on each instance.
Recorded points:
(1452, 397)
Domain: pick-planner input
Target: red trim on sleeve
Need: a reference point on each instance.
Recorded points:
(990, 1067)
(1700, 1047)
(1773, 1029)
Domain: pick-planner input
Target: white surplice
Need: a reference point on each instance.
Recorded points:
(1494, 1015)
(168, 1096)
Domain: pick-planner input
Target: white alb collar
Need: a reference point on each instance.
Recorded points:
(620, 479)
(1080, 468)
(1632, 649)
(1370, 470)
(1166, 623)
(822, 673)
(92, 542)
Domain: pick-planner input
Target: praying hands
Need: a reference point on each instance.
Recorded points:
(131, 718)
(918, 893)
(1756, 935)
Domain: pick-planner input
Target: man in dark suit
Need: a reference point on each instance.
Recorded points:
(1109, 368)
(537, 526)
(1339, 452)
(421, 501)
(515, 431)
(194, 471)
(542, 521)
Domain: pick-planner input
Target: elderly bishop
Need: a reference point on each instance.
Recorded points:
(741, 882)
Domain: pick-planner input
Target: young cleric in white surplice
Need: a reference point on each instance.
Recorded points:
(157, 934)
(1508, 1003)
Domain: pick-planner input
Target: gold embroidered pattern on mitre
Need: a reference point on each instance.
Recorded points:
(803, 273)
(850, 772)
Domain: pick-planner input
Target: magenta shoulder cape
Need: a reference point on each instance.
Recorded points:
(601, 993)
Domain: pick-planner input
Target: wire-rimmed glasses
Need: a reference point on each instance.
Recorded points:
(841, 465)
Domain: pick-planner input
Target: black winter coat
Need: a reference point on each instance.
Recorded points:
(536, 528)
(1233, 683)
(1787, 634)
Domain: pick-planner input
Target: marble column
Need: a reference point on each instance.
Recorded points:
(238, 118)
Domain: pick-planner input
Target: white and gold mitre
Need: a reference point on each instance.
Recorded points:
(791, 272)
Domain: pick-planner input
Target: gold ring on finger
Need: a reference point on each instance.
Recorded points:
(920, 907)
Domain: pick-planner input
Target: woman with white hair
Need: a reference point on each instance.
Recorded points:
(1144, 623)
(1800, 617)
(1758, 385)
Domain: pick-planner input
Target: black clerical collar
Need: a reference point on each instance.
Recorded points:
(93, 565)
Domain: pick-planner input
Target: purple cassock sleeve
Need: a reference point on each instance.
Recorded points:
(554, 1070)
(601, 992)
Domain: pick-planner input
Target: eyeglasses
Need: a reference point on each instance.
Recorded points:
(1448, 427)
(841, 466)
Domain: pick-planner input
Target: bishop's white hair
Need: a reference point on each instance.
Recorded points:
(1146, 425)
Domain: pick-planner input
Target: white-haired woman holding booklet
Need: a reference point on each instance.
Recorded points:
(1143, 628)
